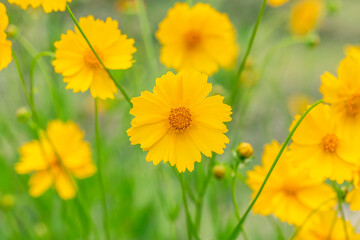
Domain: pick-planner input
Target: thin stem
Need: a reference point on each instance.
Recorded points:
(99, 174)
(298, 229)
(340, 208)
(333, 223)
(238, 227)
(147, 36)
(188, 218)
(200, 201)
(121, 89)
(23, 84)
(248, 50)
(233, 188)
(50, 83)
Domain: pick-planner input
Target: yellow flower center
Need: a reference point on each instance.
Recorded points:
(353, 105)
(180, 119)
(330, 143)
(91, 60)
(192, 39)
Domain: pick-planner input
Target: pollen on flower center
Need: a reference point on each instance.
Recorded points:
(192, 39)
(330, 143)
(353, 105)
(90, 58)
(180, 119)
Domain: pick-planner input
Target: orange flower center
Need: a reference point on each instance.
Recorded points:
(180, 119)
(353, 105)
(289, 191)
(330, 143)
(91, 60)
(192, 39)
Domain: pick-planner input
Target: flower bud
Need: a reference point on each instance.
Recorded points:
(23, 114)
(313, 40)
(12, 31)
(7, 202)
(245, 150)
(219, 171)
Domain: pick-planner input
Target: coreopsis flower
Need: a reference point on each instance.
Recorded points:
(197, 38)
(289, 193)
(327, 225)
(319, 147)
(79, 65)
(343, 93)
(47, 5)
(178, 122)
(59, 155)
(353, 197)
(5, 45)
(304, 16)
(276, 3)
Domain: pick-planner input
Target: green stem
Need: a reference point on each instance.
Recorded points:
(332, 227)
(23, 84)
(248, 50)
(340, 208)
(51, 85)
(121, 89)
(200, 201)
(99, 174)
(188, 218)
(236, 207)
(147, 36)
(238, 227)
(298, 229)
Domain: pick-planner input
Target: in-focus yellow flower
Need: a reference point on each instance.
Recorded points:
(178, 122)
(197, 38)
(79, 65)
(305, 16)
(353, 197)
(276, 3)
(319, 147)
(289, 193)
(343, 93)
(5, 45)
(327, 225)
(47, 5)
(59, 155)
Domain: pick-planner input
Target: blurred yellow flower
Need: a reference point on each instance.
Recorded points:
(319, 147)
(178, 121)
(327, 225)
(305, 16)
(276, 3)
(298, 103)
(79, 65)
(47, 5)
(197, 38)
(343, 93)
(353, 197)
(60, 154)
(289, 193)
(5, 45)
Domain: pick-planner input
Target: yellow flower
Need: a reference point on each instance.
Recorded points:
(305, 16)
(276, 3)
(353, 197)
(197, 38)
(47, 5)
(327, 225)
(59, 155)
(5, 45)
(178, 120)
(79, 65)
(289, 193)
(298, 103)
(343, 93)
(319, 147)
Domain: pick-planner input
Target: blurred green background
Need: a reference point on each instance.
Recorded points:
(144, 201)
